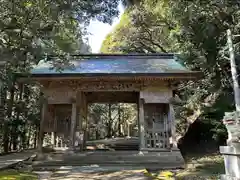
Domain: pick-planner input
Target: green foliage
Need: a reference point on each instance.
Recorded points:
(29, 32)
(141, 29)
(115, 40)
(107, 119)
(197, 31)
(202, 39)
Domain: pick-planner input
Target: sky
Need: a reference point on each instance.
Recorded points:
(98, 31)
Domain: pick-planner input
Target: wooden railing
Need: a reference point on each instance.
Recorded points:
(157, 139)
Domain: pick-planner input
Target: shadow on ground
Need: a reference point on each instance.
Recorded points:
(77, 174)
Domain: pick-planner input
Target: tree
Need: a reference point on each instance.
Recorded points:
(29, 31)
(108, 118)
(197, 31)
(141, 29)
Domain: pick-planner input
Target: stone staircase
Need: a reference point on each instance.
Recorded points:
(129, 144)
(153, 160)
(116, 153)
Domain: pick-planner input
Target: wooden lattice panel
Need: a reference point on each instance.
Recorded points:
(49, 119)
(156, 126)
(63, 118)
(156, 139)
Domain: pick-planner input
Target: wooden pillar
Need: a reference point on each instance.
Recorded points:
(83, 118)
(85, 115)
(42, 123)
(79, 120)
(73, 126)
(171, 116)
(141, 124)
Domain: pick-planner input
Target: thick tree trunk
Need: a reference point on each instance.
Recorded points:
(234, 71)
(15, 124)
(6, 123)
(97, 134)
(5, 137)
(27, 142)
(14, 137)
(2, 113)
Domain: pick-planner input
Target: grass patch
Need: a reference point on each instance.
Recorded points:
(17, 175)
(208, 167)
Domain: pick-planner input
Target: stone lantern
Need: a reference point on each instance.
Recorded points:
(231, 152)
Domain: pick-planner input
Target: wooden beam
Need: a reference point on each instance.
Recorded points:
(112, 97)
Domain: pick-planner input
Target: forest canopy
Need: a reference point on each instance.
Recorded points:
(197, 31)
(31, 30)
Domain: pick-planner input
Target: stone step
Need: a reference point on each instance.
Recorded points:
(115, 161)
(123, 147)
(99, 159)
(124, 153)
(114, 158)
(130, 161)
(107, 167)
(166, 165)
(110, 159)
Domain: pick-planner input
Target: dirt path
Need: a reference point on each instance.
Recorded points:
(12, 159)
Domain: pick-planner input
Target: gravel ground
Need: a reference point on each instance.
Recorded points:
(96, 173)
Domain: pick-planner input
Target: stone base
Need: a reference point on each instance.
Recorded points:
(152, 160)
(174, 155)
(231, 156)
(225, 177)
(70, 151)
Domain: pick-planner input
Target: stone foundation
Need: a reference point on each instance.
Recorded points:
(231, 156)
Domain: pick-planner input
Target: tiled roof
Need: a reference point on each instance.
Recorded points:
(117, 64)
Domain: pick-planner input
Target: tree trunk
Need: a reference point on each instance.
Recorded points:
(27, 145)
(2, 107)
(35, 138)
(97, 134)
(109, 125)
(129, 129)
(234, 71)
(119, 120)
(14, 138)
(6, 123)
(15, 124)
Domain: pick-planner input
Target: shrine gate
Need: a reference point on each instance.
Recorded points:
(147, 80)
